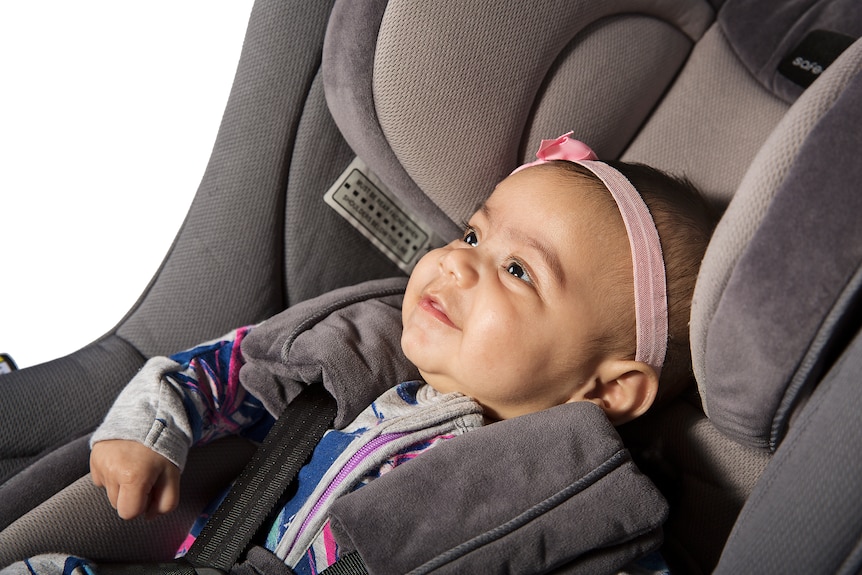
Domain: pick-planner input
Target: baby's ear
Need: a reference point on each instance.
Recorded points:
(624, 389)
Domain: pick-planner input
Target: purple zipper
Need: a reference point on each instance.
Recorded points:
(352, 463)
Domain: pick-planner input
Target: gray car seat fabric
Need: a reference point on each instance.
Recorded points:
(256, 239)
(24, 394)
(260, 169)
(768, 168)
(348, 341)
(555, 509)
(51, 473)
(705, 476)
(712, 145)
(79, 518)
(763, 36)
(744, 367)
(731, 94)
(775, 286)
(809, 488)
(723, 123)
(442, 102)
(47, 406)
(443, 115)
(807, 253)
(788, 280)
(586, 509)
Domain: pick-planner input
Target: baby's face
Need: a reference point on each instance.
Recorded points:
(509, 314)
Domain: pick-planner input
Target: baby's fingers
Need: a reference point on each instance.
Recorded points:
(132, 498)
(112, 490)
(136, 479)
(165, 494)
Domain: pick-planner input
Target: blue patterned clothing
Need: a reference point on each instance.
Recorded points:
(195, 397)
(401, 424)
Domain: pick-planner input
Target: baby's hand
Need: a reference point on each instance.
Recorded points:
(137, 479)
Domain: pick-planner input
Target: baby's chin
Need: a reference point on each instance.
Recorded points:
(439, 383)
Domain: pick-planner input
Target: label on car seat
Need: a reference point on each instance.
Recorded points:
(812, 56)
(362, 199)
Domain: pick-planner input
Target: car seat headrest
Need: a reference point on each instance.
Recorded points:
(783, 267)
(786, 46)
(443, 100)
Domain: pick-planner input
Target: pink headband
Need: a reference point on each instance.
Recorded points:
(647, 260)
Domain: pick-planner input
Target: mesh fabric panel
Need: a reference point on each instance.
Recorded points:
(80, 520)
(48, 474)
(48, 404)
(711, 123)
(454, 85)
(644, 53)
(322, 250)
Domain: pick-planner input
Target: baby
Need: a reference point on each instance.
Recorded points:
(572, 282)
(533, 306)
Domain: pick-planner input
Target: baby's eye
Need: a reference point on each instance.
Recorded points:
(517, 270)
(470, 237)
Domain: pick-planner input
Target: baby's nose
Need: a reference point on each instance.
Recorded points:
(460, 265)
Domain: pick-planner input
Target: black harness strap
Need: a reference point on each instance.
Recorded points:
(349, 564)
(264, 480)
(169, 568)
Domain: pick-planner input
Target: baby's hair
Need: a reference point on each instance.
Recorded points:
(685, 222)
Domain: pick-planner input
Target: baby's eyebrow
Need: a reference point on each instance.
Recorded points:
(548, 255)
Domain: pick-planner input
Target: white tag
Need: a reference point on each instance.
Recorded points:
(362, 199)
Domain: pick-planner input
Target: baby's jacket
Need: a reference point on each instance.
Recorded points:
(195, 397)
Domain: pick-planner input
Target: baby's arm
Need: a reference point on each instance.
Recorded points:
(173, 403)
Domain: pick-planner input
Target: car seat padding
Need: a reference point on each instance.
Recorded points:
(803, 516)
(384, 87)
(766, 172)
(788, 279)
(763, 35)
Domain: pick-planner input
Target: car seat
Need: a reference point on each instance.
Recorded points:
(441, 102)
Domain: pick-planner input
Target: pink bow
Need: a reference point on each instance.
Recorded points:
(562, 148)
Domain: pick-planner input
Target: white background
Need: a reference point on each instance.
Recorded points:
(108, 114)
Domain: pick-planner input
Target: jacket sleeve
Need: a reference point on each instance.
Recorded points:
(190, 398)
(347, 339)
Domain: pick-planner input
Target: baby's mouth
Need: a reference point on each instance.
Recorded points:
(436, 309)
